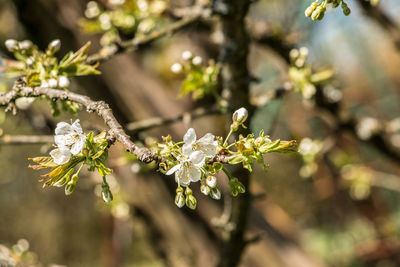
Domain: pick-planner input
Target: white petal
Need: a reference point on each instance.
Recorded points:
(79, 143)
(173, 169)
(197, 158)
(60, 155)
(182, 176)
(190, 136)
(209, 150)
(63, 128)
(207, 138)
(64, 140)
(77, 127)
(187, 149)
(194, 173)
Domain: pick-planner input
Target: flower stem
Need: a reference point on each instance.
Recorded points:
(227, 137)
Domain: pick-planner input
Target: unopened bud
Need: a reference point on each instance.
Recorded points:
(346, 9)
(179, 200)
(176, 68)
(311, 9)
(215, 193)
(191, 202)
(187, 55)
(197, 60)
(25, 45)
(63, 81)
(70, 188)
(24, 102)
(205, 189)
(53, 83)
(106, 195)
(54, 46)
(211, 181)
(240, 115)
(11, 45)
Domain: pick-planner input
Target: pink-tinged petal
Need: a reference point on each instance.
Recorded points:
(79, 143)
(190, 136)
(173, 169)
(197, 158)
(63, 128)
(60, 155)
(77, 127)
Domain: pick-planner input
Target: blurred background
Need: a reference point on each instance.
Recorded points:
(337, 203)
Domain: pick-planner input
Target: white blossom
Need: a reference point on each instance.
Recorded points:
(194, 156)
(69, 139)
(55, 45)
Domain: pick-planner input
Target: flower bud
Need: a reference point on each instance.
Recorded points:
(54, 46)
(191, 202)
(318, 13)
(346, 9)
(197, 60)
(240, 115)
(106, 195)
(70, 188)
(311, 9)
(63, 81)
(11, 45)
(24, 102)
(53, 83)
(179, 200)
(211, 181)
(236, 187)
(176, 68)
(25, 45)
(187, 55)
(205, 189)
(215, 193)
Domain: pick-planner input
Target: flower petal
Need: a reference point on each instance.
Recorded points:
(77, 127)
(60, 155)
(63, 128)
(187, 149)
(79, 143)
(64, 139)
(173, 169)
(209, 150)
(190, 136)
(194, 173)
(207, 138)
(182, 175)
(197, 158)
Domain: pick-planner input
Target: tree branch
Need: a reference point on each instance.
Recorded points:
(116, 132)
(130, 45)
(26, 139)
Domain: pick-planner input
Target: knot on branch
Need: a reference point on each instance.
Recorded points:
(145, 155)
(97, 106)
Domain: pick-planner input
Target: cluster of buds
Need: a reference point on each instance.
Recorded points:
(189, 200)
(15, 46)
(302, 75)
(127, 17)
(209, 187)
(317, 9)
(57, 82)
(200, 80)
